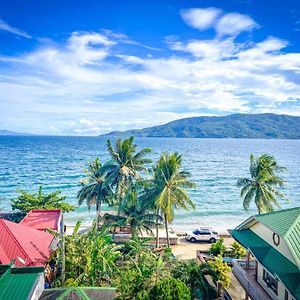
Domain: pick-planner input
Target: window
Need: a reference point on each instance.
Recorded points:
(286, 295)
(271, 282)
(204, 232)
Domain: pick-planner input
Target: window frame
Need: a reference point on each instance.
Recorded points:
(271, 281)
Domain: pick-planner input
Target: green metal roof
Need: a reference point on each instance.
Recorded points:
(17, 283)
(81, 293)
(280, 221)
(271, 259)
(285, 223)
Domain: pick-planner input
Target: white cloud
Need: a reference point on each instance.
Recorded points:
(200, 18)
(234, 23)
(230, 24)
(91, 84)
(6, 27)
(207, 49)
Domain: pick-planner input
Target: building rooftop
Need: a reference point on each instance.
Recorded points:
(41, 219)
(281, 221)
(17, 240)
(18, 283)
(84, 293)
(285, 223)
(271, 259)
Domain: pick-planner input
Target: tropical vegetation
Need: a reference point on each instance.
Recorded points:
(125, 166)
(94, 189)
(143, 198)
(169, 188)
(134, 213)
(26, 201)
(261, 187)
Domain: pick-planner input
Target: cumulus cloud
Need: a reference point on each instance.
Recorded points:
(200, 18)
(224, 24)
(6, 27)
(92, 83)
(234, 23)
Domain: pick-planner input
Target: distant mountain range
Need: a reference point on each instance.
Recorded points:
(8, 132)
(252, 126)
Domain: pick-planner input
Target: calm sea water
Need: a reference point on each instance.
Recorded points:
(215, 164)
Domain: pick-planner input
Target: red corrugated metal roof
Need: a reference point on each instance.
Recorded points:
(41, 219)
(32, 245)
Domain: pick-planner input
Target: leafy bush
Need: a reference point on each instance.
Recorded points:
(130, 283)
(221, 271)
(170, 289)
(193, 275)
(238, 251)
(217, 248)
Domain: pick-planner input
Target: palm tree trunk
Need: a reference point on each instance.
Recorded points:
(167, 231)
(156, 225)
(119, 212)
(98, 212)
(133, 232)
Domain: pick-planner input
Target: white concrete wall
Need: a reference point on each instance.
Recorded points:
(281, 287)
(266, 234)
(38, 288)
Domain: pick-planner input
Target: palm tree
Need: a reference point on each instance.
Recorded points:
(26, 201)
(125, 165)
(169, 188)
(135, 213)
(94, 189)
(262, 184)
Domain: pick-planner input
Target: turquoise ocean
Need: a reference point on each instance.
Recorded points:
(215, 164)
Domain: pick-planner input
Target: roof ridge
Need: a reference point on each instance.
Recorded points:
(16, 241)
(277, 211)
(292, 226)
(44, 210)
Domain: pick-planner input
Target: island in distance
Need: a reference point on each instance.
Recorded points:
(251, 126)
(8, 132)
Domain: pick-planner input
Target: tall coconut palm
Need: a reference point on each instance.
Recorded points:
(135, 213)
(170, 184)
(125, 165)
(262, 185)
(94, 189)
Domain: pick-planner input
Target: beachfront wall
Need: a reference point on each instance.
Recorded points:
(267, 234)
(281, 290)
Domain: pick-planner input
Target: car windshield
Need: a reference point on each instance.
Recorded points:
(196, 232)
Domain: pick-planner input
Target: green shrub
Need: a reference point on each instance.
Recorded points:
(170, 289)
(238, 251)
(217, 248)
(221, 271)
(130, 283)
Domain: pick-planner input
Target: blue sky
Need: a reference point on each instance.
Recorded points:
(89, 67)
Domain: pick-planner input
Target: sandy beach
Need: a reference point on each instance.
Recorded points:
(186, 250)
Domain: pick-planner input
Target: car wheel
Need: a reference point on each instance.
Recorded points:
(192, 240)
(212, 240)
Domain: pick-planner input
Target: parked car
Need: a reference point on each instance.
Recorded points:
(203, 235)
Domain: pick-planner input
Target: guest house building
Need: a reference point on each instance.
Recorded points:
(271, 269)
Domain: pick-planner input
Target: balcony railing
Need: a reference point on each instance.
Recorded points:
(246, 264)
(244, 271)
